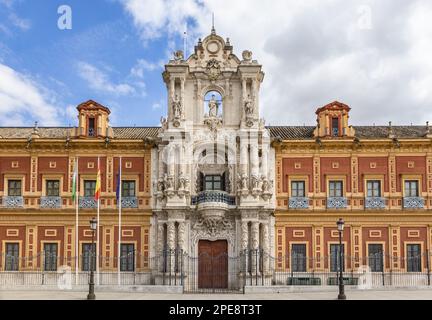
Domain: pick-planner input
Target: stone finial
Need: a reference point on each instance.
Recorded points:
(178, 55)
(391, 135)
(428, 133)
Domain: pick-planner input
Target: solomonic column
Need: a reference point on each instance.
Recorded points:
(255, 246)
(266, 247)
(160, 246)
(244, 244)
(171, 244)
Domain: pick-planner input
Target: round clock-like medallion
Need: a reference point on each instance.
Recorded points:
(213, 47)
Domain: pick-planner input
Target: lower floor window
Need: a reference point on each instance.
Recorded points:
(376, 263)
(413, 257)
(50, 252)
(12, 257)
(88, 250)
(298, 258)
(335, 262)
(127, 257)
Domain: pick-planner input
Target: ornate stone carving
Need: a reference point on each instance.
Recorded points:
(213, 107)
(178, 55)
(244, 235)
(213, 69)
(247, 55)
(213, 226)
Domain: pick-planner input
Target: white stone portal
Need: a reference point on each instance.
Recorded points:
(214, 176)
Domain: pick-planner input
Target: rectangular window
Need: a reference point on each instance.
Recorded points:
(88, 251)
(50, 252)
(213, 182)
(89, 188)
(373, 188)
(127, 257)
(413, 257)
(376, 261)
(14, 188)
(335, 127)
(91, 129)
(297, 189)
(335, 188)
(334, 258)
(53, 188)
(298, 258)
(128, 188)
(12, 257)
(411, 188)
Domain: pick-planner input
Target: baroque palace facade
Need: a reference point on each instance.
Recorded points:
(214, 180)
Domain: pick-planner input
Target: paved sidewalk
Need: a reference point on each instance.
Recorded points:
(395, 294)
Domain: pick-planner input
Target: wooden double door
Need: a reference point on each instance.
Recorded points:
(213, 264)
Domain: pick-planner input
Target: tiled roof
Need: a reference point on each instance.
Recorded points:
(62, 132)
(361, 132)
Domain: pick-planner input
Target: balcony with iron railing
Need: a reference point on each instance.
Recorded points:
(337, 202)
(13, 202)
(413, 203)
(213, 196)
(50, 202)
(298, 203)
(375, 203)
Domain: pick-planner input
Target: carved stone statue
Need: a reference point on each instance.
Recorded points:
(178, 55)
(213, 107)
(249, 108)
(164, 123)
(160, 185)
(255, 182)
(265, 185)
(244, 181)
(169, 182)
(177, 107)
(182, 181)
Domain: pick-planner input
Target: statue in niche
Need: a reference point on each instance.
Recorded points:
(169, 182)
(265, 185)
(249, 108)
(213, 107)
(177, 107)
(244, 181)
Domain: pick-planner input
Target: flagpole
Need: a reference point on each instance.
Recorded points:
(98, 224)
(76, 223)
(120, 221)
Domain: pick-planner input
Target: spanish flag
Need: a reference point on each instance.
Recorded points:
(98, 184)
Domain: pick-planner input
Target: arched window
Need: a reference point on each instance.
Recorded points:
(213, 104)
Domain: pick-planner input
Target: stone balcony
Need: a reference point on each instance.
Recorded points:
(87, 202)
(50, 202)
(413, 203)
(220, 197)
(129, 202)
(375, 203)
(13, 202)
(298, 203)
(337, 202)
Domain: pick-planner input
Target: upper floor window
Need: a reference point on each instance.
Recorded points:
(128, 188)
(89, 188)
(14, 188)
(335, 127)
(213, 182)
(297, 189)
(373, 188)
(411, 188)
(53, 188)
(91, 127)
(335, 189)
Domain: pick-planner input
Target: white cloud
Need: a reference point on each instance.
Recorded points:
(314, 52)
(22, 24)
(98, 80)
(21, 98)
(141, 66)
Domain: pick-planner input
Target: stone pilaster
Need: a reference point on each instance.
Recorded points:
(255, 245)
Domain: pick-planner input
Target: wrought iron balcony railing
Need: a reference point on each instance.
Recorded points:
(87, 202)
(337, 202)
(413, 202)
(13, 201)
(213, 196)
(50, 202)
(375, 203)
(298, 203)
(129, 202)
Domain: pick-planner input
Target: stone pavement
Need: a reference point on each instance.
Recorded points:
(394, 294)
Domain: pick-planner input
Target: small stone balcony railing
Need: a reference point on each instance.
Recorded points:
(87, 202)
(298, 203)
(375, 203)
(13, 202)
(337, 202)
(213, 196)
(50, 202)
(413, 203)
(129, 202)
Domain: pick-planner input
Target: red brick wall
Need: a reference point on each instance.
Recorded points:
(327, 169)
(23, 168)
(61, 168)
(402, 168)
(137, 169)
(365, 169)
(289, 169)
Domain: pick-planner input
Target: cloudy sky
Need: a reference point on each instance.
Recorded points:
(371, 55)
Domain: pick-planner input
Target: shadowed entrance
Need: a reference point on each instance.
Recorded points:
(213, 264)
